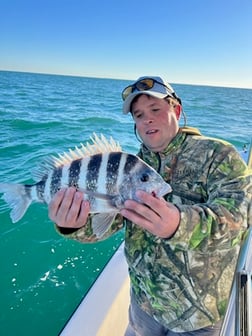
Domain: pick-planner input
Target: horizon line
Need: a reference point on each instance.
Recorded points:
(234, 86)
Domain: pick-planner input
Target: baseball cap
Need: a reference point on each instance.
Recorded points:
(150, 85)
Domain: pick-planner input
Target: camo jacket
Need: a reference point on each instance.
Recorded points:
(184, 281)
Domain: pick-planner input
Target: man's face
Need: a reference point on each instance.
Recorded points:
(156, 121)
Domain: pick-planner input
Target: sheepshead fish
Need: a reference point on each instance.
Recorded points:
(106, 175)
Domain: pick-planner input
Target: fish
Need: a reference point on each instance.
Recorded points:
(100, 169)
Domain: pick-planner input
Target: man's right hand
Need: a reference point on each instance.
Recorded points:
(68, 209)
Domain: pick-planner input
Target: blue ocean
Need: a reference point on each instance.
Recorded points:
(43, 275)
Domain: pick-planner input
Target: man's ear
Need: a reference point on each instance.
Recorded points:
(178, 110)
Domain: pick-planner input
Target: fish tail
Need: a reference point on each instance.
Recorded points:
(18, 199)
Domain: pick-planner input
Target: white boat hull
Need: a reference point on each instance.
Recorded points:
(104, 310)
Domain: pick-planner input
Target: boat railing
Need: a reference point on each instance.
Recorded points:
(238, 317)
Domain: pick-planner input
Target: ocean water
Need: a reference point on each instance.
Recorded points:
(43, 275)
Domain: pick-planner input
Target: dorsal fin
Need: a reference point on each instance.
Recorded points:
(98, 145)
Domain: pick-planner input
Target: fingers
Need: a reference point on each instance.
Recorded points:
(55, 203)
(68, 209)
(153, 214)
(144, 214)
(150, 207)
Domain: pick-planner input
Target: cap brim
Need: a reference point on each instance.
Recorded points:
(129, 99)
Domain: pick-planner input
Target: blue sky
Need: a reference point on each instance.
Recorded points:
(186, 41)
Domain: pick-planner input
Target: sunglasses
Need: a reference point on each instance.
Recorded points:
(142, 85)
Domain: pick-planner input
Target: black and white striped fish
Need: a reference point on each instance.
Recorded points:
(105, 174)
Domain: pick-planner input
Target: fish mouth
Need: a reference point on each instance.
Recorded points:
(165, 189)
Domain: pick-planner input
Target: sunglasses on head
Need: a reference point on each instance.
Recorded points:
(141, 85)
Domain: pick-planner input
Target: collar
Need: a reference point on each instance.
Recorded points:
(175, 143)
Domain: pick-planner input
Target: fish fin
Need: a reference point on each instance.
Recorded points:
(101, 223)
(17, 199)
(41, 171)
(96, 194)
(99, 145)
(103, 201)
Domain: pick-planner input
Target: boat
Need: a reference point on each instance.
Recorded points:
(104, 309)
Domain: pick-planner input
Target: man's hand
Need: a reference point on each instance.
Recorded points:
(68, 209)
(155, 215)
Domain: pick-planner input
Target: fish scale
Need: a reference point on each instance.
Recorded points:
(56, 180)
(112, 172)
(93, 170)
(74, 172)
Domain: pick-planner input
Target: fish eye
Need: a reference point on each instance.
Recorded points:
(145, 177)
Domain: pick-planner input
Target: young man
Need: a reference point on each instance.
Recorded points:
(181, 249)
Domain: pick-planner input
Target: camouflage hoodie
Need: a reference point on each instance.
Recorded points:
(184, 281)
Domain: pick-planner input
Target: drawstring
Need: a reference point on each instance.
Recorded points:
(137, 136)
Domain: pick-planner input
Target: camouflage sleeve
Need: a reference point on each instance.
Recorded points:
(227, 212)
(85, 234)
